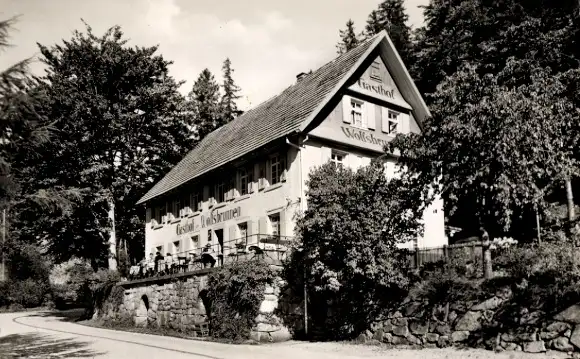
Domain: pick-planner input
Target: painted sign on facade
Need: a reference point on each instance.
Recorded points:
(362, 136)
(220, 217)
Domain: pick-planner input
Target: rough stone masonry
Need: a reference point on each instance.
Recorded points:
(177, 303)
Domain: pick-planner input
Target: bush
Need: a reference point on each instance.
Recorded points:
(28, 293)
(234, 296)
(348, 248)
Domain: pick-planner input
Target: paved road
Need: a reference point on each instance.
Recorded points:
(46, 335)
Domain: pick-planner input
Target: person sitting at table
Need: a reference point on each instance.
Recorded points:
(158, 259)
(168, 263)
(208, 256)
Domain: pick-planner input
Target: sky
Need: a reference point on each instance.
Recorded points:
(268, 41)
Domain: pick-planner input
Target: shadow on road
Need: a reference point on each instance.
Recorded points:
(35, 345)
(70, 315)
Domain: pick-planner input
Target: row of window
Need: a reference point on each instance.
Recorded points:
(178, 247)
(361, 114)
(270, 172)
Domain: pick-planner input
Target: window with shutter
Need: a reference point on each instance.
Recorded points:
(346, 109)
(369, 112)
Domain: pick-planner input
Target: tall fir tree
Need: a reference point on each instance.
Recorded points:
(229, 108)
(204, 100)
(391, 16)
(348, 38)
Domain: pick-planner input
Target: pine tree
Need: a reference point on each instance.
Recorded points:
(391, 16)
(229, 108)
(374, 24)
(205, 103)
(348, 38)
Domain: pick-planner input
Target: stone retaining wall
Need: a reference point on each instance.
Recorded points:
(178, 303)
(478, 325)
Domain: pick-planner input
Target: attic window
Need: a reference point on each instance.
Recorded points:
(376, 71)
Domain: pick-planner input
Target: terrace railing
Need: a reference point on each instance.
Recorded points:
(258, 246)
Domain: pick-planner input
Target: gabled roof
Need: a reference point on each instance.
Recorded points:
(289, 112)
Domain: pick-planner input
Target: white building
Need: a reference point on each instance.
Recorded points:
(247, 179)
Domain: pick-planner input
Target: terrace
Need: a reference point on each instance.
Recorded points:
(272, 248)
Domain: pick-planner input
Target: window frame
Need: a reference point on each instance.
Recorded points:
(278, 162)
(354, 110)
(336, 161)
(376, 71)
(245, 174)
(275, 229)
(219, 197)
(194, 200)
(393, 120)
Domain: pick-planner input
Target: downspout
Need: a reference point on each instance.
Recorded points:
(299, 148)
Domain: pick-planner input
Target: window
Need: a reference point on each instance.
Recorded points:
(157, 214)
(277, 167)
(219, 192)
(185, 203)
(195, 201)
(337, 158)
(393, 122)
(162, 211)
(159, 250)
(176, 247)
(376, 71)
(357, 113)
(275, 222)
(246, 180)
(175, 211)
(243, 227)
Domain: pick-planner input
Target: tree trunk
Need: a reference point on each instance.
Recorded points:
(570, 203)
(112, 238)
(486, 249)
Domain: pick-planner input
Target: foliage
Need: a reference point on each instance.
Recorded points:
(204, 102)
(229, 108)
(348, 245)
(490, 32)
(391, 16)
(121, 125)
(235, 294)
(511, 141)
(28, 293)
(100, 292)
(348, 38)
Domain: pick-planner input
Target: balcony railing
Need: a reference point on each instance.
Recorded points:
(258, 246)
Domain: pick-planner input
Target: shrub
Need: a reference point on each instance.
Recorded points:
(234, 295)
(28, 293)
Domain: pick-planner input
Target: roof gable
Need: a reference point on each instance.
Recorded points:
(289, 112)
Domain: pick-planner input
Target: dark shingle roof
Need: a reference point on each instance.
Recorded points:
(273, 119)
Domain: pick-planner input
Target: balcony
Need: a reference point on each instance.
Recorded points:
(270, 248)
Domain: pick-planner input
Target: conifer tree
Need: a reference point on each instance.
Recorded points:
(229, 108)
(348, 38)
(205, 102)
(391, 16)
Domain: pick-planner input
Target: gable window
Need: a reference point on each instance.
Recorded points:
(277, 167)
(393, 122)
(246, 180)
(357, 118)
(275, 223)
(376, 71)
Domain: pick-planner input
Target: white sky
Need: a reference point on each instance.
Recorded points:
(268, 41)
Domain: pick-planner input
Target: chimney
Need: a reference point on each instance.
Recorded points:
(300, 76)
